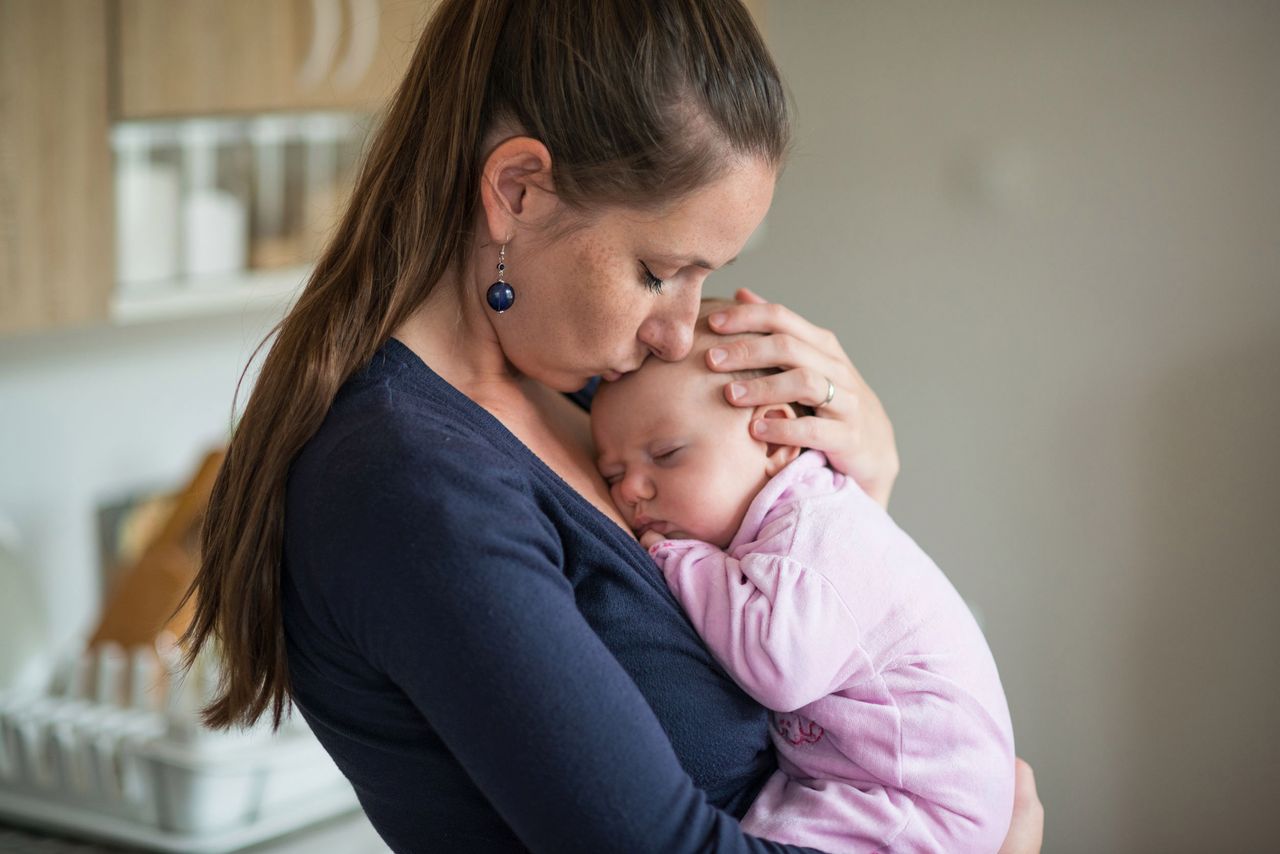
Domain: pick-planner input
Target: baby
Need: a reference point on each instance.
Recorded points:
(888, 715)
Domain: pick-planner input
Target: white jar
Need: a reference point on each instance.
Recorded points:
(147, 195)
(25, 651)
(215, 223)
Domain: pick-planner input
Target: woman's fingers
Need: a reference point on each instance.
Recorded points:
(799, 385)
(821, 434)
(778, 350)
(772, 317)
(852, 428)
(1026, 830)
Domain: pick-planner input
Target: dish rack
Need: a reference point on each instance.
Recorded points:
(114, 750)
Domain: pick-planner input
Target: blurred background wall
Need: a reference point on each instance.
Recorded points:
(1049, 236)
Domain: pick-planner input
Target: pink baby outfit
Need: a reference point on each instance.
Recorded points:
(889, 719)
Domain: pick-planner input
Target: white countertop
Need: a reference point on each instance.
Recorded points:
(350, 834)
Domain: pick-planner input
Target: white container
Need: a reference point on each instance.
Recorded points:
(278, 190)
(215, 222)
(154, 778)
(25, 663)
(148, 201)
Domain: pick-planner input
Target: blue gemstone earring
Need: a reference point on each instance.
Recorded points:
(501, 296)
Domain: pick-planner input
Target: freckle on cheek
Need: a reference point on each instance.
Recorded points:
(592, 269)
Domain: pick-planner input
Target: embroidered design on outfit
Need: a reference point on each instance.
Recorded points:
(796, 730)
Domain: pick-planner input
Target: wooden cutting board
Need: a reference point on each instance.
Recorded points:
(141, 604)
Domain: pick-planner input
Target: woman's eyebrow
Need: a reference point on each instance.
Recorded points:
(706, 265)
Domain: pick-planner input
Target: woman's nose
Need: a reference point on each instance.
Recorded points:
(669, 332)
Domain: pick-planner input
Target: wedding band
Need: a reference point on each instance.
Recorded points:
(831, 392)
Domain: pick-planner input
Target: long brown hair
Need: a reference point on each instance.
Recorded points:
(639, 102)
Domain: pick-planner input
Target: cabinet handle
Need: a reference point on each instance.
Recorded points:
(365, 27)
(326, 30)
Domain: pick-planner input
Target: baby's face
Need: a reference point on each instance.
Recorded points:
(678, 458)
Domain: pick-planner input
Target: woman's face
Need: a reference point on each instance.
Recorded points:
(587, 303)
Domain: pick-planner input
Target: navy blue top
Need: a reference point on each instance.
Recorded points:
(492, 662)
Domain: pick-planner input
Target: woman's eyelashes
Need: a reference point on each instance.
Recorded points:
(652, 282)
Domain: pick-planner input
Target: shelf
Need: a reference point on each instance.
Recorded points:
(33, 811)
(234, 293)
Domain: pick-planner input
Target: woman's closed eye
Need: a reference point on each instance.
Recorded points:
(652, 282)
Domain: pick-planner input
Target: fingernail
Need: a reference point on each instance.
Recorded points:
(717, 355)
(737, 390)
(762, 426)
(716, 319)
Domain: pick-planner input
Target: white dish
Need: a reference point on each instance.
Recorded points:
(152, 778)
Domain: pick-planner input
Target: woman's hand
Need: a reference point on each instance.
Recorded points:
(1026, 832)
(852, 429)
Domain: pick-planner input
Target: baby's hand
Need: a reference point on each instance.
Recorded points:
(649, 538)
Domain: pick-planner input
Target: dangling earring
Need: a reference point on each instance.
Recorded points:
(501, 296)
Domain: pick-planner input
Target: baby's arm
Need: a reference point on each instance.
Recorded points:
(781, 630)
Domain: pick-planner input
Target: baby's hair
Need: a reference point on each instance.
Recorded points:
(704, 334)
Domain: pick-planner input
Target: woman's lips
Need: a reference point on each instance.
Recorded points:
(613, 376)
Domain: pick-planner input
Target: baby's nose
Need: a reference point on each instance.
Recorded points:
(636, 487)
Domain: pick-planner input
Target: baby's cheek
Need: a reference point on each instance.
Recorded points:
(617, 500)
(732, 495)
(699, 513)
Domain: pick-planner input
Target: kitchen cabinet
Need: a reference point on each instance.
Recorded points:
(202, 57)
(229, 56)
(70, 68)
(55, 165)
(370, 57)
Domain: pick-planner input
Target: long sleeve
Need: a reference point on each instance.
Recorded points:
(782, 631)
(452, 585)
(890, 722)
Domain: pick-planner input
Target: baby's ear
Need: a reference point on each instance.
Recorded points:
(778, 454)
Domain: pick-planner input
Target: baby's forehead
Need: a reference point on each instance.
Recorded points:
(656, 398)
(662, 382)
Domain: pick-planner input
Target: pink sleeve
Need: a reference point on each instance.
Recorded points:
(781, 631)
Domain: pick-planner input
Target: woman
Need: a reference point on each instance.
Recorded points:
(409, 539)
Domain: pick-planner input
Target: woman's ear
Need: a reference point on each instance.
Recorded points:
(778, 455)
(516, 189)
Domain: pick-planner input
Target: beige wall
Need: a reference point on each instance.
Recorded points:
(1049, 235)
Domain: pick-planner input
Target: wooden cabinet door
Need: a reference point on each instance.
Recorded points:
(202, 57)
(370, 51)
(206, 57)
(56, 257)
